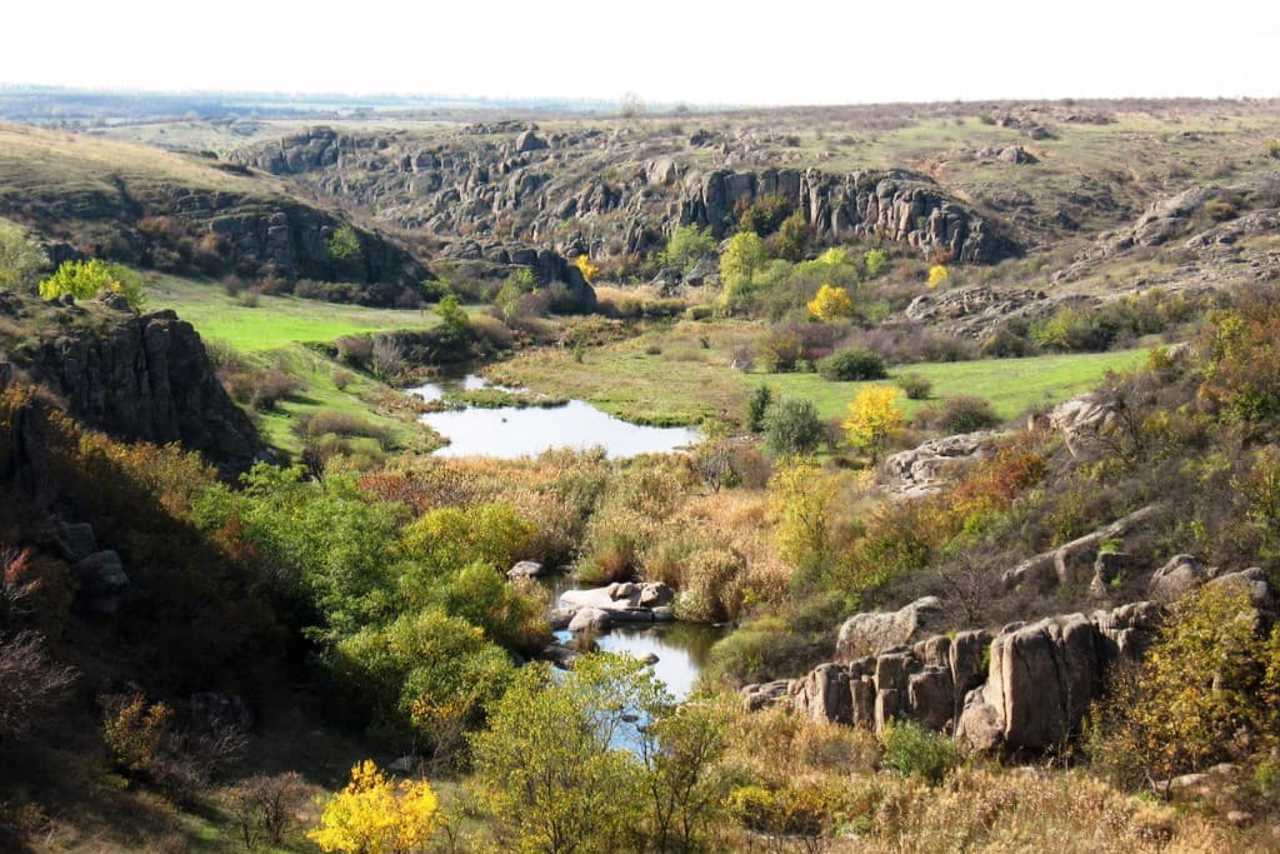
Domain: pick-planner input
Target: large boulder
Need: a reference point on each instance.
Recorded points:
(874, 632)
(530, 141)
(599, 608)
(1178, 577)
(926, 469)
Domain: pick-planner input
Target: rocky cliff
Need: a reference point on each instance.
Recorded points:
(598, 192)
(137, 377)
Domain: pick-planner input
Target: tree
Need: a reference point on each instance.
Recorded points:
(550, 768)
(373, 815)
(88, 279)
(455, 326)
(21, 258)
(793, 427)
(739, 264)
(758, 407)
(344, 246)
(799, 497)
(874, 415)
(874, 261)
(938, 276)
(792, 237)
(830, 304)
(686, 246)
(680, 751)
(589, 271)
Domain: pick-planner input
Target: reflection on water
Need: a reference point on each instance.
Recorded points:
(511, 432)
(682, 649)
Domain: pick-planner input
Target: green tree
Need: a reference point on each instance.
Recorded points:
(739, 265)
(687, 244)
(792, 237)
(793, 427)
(685, 786)
(758, 407)
(874, 262)
(88, 279)
(344, 246)
(21, 258)
(550, 768)
(455, 326)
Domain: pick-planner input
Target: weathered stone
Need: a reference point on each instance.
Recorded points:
(530, 141)
(591, 619)
(876, 631)
(888, 704)
(931, 697)
(76, 541)
(525, 569)
(825, 695)
(1253, 583)
(1178, 577)
(926, 469)
(759, 696)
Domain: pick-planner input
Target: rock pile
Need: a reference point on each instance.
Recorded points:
(600, 608)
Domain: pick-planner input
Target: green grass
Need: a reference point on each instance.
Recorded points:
(1013, 386)
(667, 376)
(277, 321)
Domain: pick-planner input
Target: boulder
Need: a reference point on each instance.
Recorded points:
(102, 580)
(599, 608)
(1253, 583)
(874, 632)
(1178, 577)
(762, 695)
(76, 541)
(824, 695)
(525, 569)
(591, 619)
(530, 141)
(925, 469)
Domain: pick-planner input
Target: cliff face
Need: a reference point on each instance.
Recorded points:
(137, 377)
(591, 191)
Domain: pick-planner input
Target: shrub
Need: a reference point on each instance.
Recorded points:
(589, 271)
(687, 245)
(88, 279)
(344, 245)
(758, 407)
(741, 262)
(959, 415)
(831, 303)
(1273, 148)
(355, 350)
(21, 258)
(266, 806)
(938, 276)
(792, 238)
(455, 327)
(763, 216)
(914, 751)
(449, 538)
(852, 364)
(780, 351)
(134, 731)
(261, 390)
(800, 499)
(387, 358)
(324, 422)
(874, 262)
(793, 427)
(373, 815)
(31, 683)
(873, 417)
(915, 386)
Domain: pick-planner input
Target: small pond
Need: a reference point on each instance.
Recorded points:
(509, 432)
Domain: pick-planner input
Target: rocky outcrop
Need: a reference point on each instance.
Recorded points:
(133, 376)
(600, 608)
(978, 311)
(894, 205)
(1070, 563)
(926, 469)
(872, 632)
(1025, 687)
(608, 193)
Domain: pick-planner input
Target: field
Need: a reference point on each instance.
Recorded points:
(680, 374)
(276, 321)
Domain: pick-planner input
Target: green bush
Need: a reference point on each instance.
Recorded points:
(687, 245)
(449, 538)
(88, 279)
(780, 351)
(344, 245)
(793, 427)
(21, 258)
(765, 215)
(852, 364)
(758, 407)
(914, 751)
(959, 415)
(915, 386)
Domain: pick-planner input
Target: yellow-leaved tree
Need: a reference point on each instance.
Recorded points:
(938, 276)
(373, 815)
(874, 416)
(831, 303)
(589, 270)
(800, 497)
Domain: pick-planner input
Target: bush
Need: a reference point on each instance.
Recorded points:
(344, 245)
(373, 815)
(874, 262)
(852, 365)
(959, 415)
(793, 427)
(260, 390)
(21, 258)
(88, 279)
(355, 350)
(266, 807)
(31, 683)
(780, 351)
(741, 262)
(758, 407)
(830, 304)
(915, 386)
(763, 216)
(914, 751)
(686, 246)
(134, 731)
(450, 538)
(331, 422)
(873, 417)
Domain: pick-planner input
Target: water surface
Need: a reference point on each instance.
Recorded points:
(509, 432)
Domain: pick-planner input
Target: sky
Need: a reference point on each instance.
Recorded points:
(666, 51)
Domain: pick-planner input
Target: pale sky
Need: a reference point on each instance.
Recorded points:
(744, 52)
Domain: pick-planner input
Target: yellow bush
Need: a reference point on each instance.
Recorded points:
(589, 270)
(372, 815)
(938, 276)
(831, 303)
(874, 415)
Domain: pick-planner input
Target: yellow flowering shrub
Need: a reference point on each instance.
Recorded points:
(373, 815)
(831, 303)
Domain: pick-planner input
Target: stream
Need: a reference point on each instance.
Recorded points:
(509, 432)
